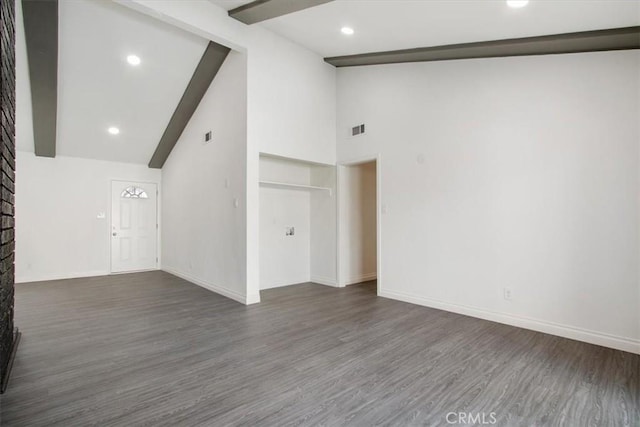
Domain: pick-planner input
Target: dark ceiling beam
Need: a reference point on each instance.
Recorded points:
(585, 41)
(261, 10)
(211, 61)
(41, 31)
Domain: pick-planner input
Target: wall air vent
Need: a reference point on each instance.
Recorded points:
(357, 130)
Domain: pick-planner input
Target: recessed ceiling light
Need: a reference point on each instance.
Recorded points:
(133, 60)
(517, 3)
(347, 30)
(113, 130)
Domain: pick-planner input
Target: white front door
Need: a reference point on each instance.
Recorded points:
(134, 229)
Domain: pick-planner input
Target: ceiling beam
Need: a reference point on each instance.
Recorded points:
(41, 32)
(261, 10)
(585, 41)
(211, 61)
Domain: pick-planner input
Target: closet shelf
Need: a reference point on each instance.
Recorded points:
(293, 186)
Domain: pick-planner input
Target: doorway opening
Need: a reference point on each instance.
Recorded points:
(359, 223)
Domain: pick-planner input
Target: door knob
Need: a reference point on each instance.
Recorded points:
(115, 234)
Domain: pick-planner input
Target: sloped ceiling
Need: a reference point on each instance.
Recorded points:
(98, 89)
(382, 25)
(231, 4)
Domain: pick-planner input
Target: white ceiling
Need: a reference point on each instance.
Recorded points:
(401, 24)
(97, 88)
(230, 4)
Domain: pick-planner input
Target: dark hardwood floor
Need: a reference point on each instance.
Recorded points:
(152, 349)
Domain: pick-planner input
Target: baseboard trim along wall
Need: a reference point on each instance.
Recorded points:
(253, 299)
(236, 296)
(324, 281)
(264, 287)
(592, 337)
(65, 276)
(359, 279)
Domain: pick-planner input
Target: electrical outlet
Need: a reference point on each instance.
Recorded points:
(290, 231)
(507, 293)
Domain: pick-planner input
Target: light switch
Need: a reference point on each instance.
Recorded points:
(101, 215)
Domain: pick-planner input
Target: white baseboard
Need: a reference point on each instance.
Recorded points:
(253, 299)
(297, 281)
(592, 337)
(360, 279)
(324, 281)
(77, 275)
(64, 276)
(234, 295)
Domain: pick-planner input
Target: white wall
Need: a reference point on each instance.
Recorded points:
(284, 260)
(204, 238)
(58, 234)
(357, 223)
(292, 99)
(511, 172)
(324, 226)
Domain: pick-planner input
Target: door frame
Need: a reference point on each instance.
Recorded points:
(158, 258)
(340, 181)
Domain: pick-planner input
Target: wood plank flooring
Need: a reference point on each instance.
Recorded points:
(150, 349)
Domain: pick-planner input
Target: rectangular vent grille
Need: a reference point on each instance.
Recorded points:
(357, 130)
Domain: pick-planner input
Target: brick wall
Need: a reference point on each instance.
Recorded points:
(7, 161)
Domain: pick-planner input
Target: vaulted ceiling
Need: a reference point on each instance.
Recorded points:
(98, 88)
(382, 25)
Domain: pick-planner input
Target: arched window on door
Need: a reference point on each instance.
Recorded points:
(134, 193)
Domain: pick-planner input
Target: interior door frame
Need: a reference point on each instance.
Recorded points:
(158, 258)
(340, 181)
